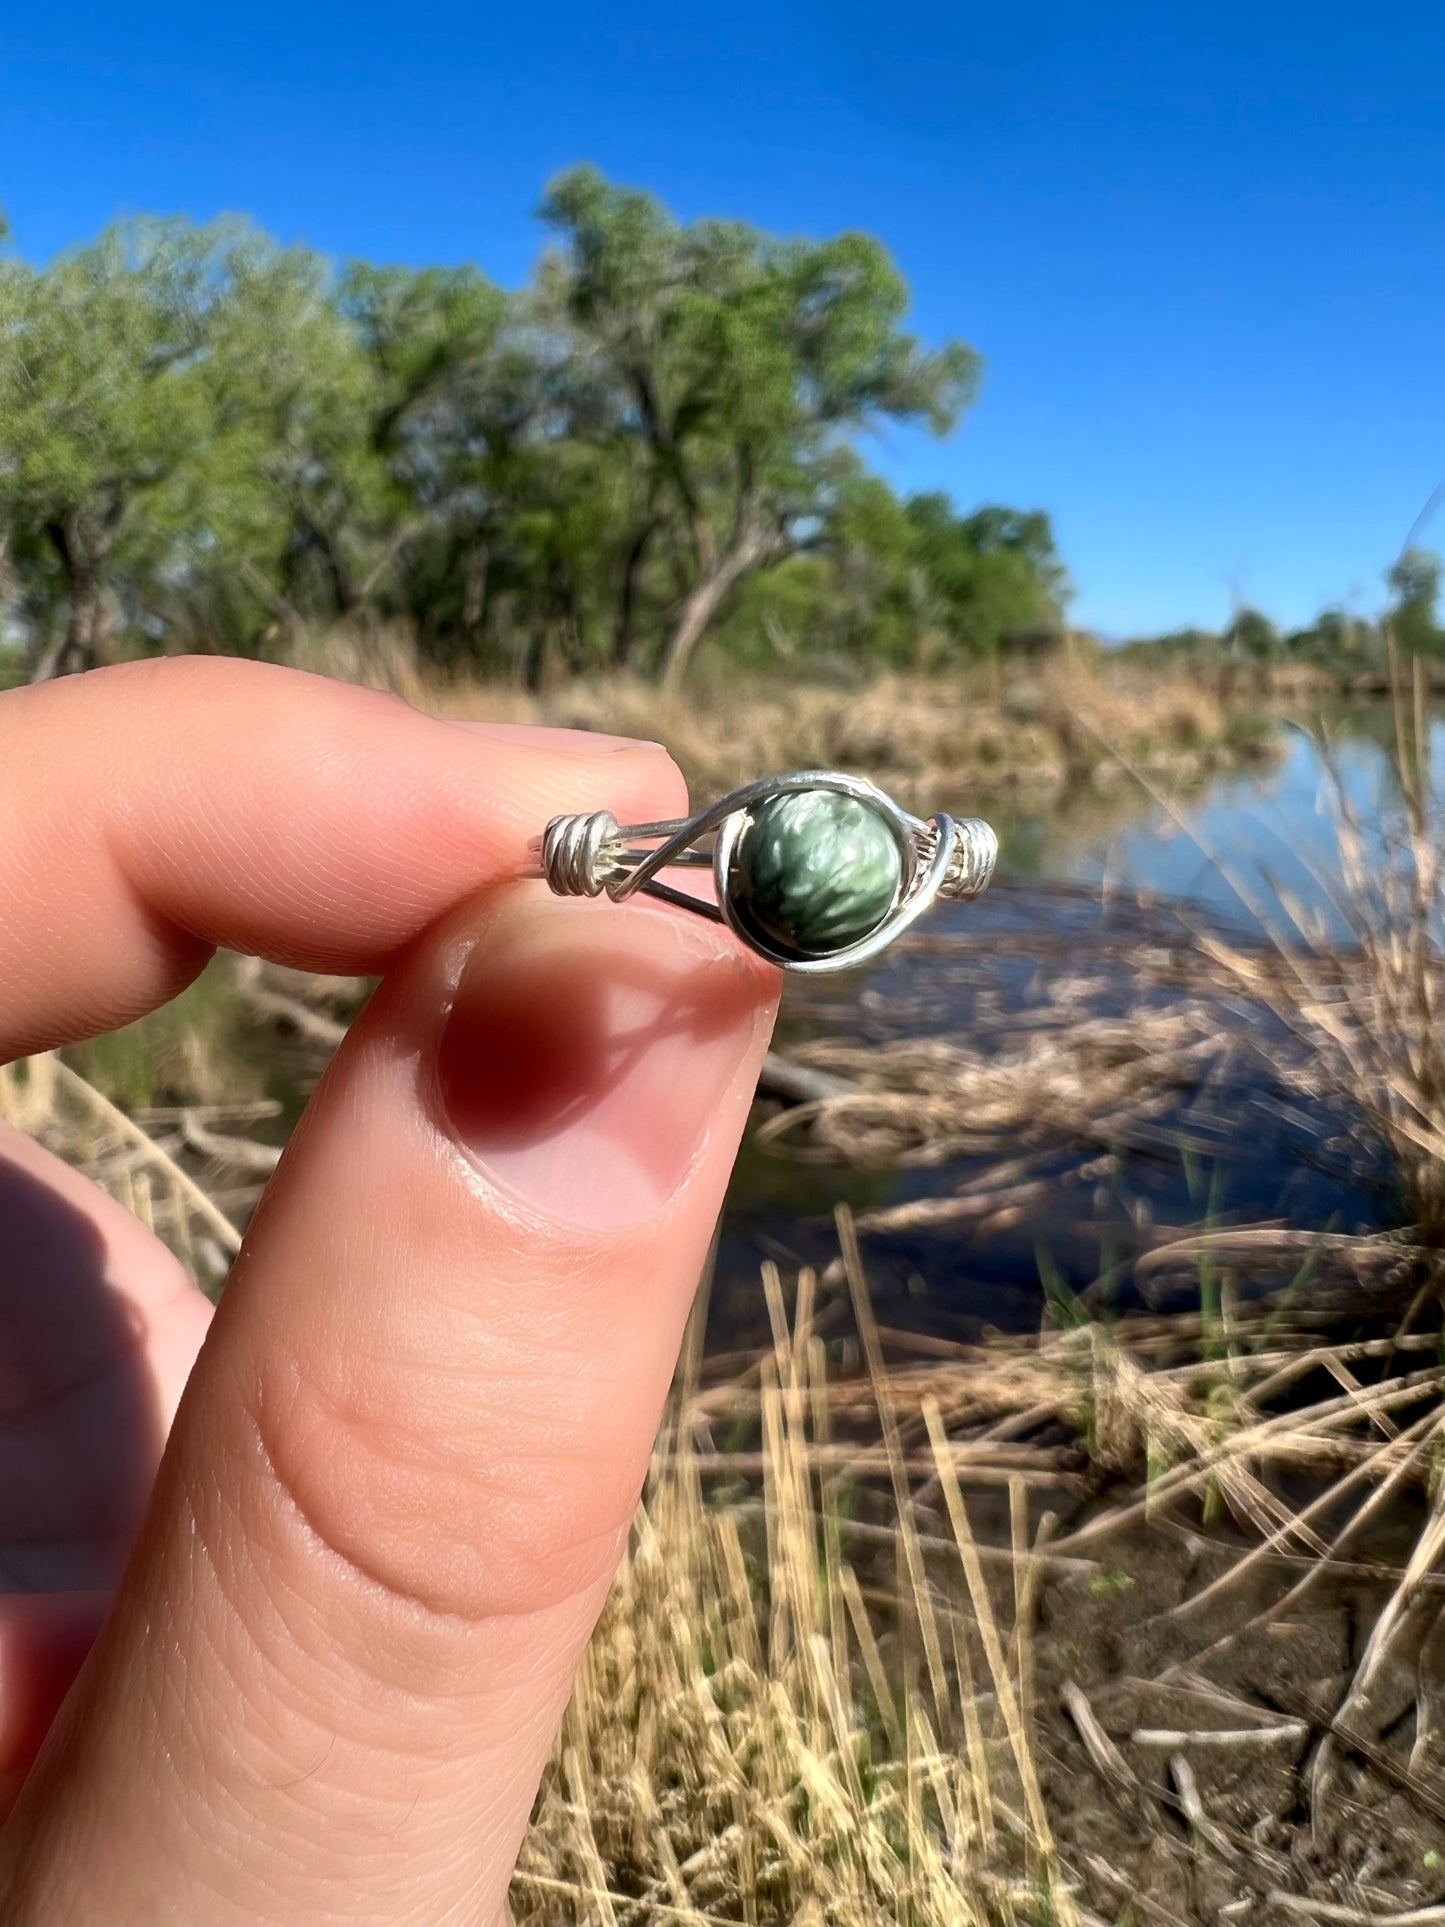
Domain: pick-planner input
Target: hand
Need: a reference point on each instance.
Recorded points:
(350, 1593)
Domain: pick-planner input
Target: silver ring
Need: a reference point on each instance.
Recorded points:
(815, 871)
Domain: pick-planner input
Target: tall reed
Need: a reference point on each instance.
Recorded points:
(749, 1743)
(1369, 1009)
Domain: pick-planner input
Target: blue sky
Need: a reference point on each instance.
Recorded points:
(1200, 249)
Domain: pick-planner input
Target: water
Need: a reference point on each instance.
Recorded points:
(1236, 1147)
(1251, 835)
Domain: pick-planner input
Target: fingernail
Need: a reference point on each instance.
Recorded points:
(590, 1050)
(573, 742)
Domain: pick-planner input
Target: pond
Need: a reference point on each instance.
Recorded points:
(1251, 836)
(1074, 946)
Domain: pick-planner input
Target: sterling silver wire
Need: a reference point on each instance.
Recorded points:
(592, 854)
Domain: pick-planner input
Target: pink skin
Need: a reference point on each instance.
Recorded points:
(342, 1612)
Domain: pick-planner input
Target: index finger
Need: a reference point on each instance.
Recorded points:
(155, 811)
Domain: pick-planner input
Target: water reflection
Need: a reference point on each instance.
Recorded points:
(1250, 835)
(1235, 1147)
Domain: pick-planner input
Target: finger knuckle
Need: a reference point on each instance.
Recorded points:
(415, 1495)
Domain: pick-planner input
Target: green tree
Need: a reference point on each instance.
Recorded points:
(1252, 635)
(991, 575)
(737, 369)
(1414, 583)
(906, 582)
(276, 514)
(100, 406)
(185, 443)
(317, 479)
(449, 399)
(1336, 639)
(211, 441)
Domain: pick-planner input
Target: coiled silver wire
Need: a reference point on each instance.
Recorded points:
(573, 853)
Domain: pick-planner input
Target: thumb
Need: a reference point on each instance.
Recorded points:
(405, 1464)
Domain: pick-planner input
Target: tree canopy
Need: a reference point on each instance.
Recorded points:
(1414, 582)
(208, 440)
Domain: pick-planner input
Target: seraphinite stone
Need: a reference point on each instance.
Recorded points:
(814, 871)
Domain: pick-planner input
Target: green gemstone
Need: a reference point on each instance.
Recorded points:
(813, 872)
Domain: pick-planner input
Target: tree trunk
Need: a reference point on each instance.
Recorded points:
(476, 582)
(625, 637)
(341, 592)
(534, 661)
(311, 540)
(47, 664)
(700, 605)
(86, 642)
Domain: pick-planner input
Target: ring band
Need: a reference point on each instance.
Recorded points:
(815, 871)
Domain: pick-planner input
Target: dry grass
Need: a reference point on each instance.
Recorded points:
(1369, 1014)
(929, 1100)
(167, 1119)
(751, 1741)
(817, 1691)
(1083, 1058)
(1360, 982)
(1371, 1011)
(929, 738)
(66, 1113)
